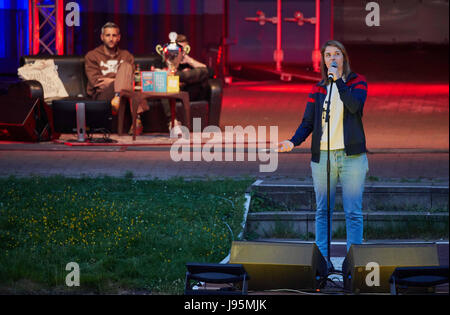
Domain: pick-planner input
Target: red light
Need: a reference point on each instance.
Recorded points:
(375, 89)
(59, 44)
(219, 55)
(406, 89)
(285, 88)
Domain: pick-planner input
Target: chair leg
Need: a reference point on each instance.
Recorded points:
(121, 115)
(187, 111)
(133, 109)
(173, 112)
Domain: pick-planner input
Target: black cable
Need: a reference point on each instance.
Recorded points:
(105, 139)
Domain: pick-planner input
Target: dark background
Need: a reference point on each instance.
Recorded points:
(415, 27)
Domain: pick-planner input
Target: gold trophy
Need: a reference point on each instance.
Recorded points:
(172, 53)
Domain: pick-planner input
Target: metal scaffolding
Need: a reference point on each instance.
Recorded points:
(46, 27)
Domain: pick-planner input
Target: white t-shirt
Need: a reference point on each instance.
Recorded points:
(336, 121)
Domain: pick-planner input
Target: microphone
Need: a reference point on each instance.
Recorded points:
(333, 65)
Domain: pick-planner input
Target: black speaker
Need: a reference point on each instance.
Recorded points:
(280, 265)
(216, 274)
(27, 120)
(368, 267)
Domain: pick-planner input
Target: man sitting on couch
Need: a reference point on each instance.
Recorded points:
(110, 70)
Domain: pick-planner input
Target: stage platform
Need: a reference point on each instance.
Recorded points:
(406, 121)
(406, 126)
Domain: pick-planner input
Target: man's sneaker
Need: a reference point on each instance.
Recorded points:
(175, 124)
(115, 103)
(139, 127)
(175, 130)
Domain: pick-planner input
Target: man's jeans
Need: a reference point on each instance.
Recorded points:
(351, 172)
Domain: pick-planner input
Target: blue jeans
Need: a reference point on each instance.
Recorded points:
(351, 172)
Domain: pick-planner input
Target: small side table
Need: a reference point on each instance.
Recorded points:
(135, 97)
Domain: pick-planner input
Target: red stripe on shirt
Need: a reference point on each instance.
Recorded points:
(360, 86)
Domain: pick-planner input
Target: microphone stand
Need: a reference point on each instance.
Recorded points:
(327, 120)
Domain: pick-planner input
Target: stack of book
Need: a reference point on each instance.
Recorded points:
(159, 81)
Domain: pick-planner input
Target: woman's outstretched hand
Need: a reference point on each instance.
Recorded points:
(285, 146)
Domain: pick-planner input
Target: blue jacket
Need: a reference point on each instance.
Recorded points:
(353, 94)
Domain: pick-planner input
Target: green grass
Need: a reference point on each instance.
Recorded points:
(126, 235)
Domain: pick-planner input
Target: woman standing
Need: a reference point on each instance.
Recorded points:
(348, 160)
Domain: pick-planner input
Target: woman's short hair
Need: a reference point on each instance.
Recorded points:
(110, 25)
(323, 67)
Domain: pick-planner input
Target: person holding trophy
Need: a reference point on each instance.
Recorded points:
(193, 75)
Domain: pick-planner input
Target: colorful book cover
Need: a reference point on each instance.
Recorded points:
(147, 81)
(173, 84)
(160, 79)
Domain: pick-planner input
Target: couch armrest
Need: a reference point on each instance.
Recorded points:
(30, 89)
(215, 102)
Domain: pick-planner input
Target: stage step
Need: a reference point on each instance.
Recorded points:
(287, 209)
(302, 223)
(270, 195)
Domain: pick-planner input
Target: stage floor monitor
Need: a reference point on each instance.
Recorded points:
(359, 267)
(276, 265)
